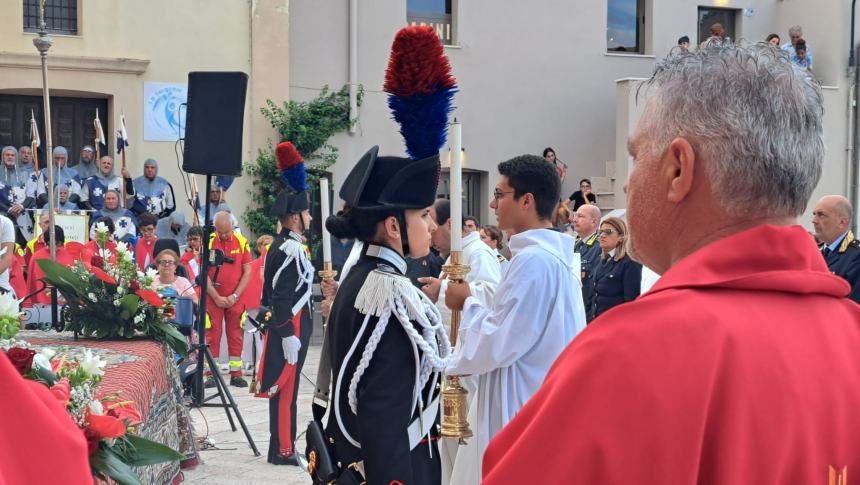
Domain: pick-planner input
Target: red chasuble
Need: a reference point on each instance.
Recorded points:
(39, 442)
(741, 365)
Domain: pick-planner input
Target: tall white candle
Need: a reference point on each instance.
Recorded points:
(324, 213)
(456, 173)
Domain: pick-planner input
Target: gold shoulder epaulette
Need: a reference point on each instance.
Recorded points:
(849, 238)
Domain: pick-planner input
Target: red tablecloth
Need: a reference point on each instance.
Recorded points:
(144, 372)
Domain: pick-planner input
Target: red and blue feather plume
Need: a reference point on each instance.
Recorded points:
(420, 90)
(291, 166)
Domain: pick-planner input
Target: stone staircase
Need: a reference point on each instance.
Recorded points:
(604, 188)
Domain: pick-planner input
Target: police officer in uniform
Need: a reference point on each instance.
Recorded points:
(840, 249)
(287, 294)
(585, 222)
(387, 340)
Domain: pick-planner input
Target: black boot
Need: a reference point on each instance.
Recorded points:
(285, 460)
(237, 381)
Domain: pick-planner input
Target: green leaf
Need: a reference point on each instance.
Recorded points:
(60, 276)
(130, 303)
(147, 452)
(108, 463)
(173, 338)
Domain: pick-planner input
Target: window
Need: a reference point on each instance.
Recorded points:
(436, 13)
(61, 16)
(709, 16)
(625, 26)
(472, 203)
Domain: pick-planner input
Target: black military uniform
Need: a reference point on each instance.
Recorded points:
(385, 395)
(589, 256)
(288, 277)
(844, 261)
(614, 283)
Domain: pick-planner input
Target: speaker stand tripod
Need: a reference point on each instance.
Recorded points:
(204, 354)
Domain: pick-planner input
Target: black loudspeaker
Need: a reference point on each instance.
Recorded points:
(213, 123)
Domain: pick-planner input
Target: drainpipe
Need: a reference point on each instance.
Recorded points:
(353, 63)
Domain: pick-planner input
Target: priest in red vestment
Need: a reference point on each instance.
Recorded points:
(740, 366)
(39, 442)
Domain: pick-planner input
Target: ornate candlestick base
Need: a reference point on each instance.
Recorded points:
(454, 408)
(327, 273)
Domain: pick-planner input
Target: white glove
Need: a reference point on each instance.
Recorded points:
(291, 346)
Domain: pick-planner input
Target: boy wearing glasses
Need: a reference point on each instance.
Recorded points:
(537, 309)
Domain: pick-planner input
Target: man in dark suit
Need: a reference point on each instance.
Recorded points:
(832, 220)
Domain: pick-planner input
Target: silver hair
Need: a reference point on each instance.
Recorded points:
(795, 29)
(753, 119)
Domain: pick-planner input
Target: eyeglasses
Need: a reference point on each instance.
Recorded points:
(165, 262)
(498, 194)
(147, 229)
(608, 232)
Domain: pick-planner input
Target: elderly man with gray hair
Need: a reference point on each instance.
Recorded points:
(740, 365)
(840, 248)
(795, 35)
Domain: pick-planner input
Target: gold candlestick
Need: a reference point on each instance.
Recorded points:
(454, 409)
(327, 273)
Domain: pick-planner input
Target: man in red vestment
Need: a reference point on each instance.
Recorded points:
(740, 366)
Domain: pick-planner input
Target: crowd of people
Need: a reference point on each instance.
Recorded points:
(738, 366)
(798, 50)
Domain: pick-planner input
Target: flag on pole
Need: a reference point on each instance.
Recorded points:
(100, 135)
(35, 142)
(121, 135)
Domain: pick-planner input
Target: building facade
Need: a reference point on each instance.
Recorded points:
(551, 73)
(127, 57)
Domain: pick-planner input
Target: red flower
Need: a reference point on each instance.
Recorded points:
(150, 297)
(98, 261)
(124, 411)
(22, 359)
(134, 285)
(93, 440)
(103, 276)
(106, 426)
(62, 390)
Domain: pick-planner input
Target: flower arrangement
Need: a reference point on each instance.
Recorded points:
(107, 421)
(9, 314)
(109, 300)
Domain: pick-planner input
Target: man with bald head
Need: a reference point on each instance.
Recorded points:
(227, 282)
(585, 221)
(740, 364)
(841, 250)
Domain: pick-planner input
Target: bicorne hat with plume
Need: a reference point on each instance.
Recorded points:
(420, 90)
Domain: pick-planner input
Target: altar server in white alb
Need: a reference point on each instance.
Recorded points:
(462, 463)
(537, 309)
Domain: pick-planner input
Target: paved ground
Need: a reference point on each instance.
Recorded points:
(232, 461)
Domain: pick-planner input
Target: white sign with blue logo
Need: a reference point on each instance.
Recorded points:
(163, 111)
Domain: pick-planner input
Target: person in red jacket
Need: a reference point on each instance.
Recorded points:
(224, 305)
(35, 273)
(740, 365)
(143, 251)
(191, 258)
(36, 420)
(252, 346)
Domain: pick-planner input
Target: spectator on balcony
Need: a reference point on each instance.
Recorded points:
(582, 196)
(560, 167)
(773, 39)
(684, 43)
(796, 35)
(801, 58)
(719, 37)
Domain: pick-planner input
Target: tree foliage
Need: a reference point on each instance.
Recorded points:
(308, 125)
